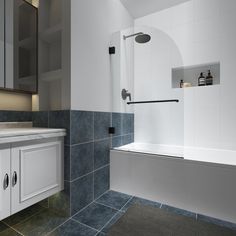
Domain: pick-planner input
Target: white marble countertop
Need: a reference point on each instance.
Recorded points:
(11, 135)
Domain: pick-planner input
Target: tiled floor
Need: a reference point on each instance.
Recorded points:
(94, 220)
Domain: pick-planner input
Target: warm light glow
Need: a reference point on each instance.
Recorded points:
(15, 101)
(35, 102)
(34, 2)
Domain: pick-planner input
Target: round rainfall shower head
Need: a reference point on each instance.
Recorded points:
(142, 38)
(139, 37)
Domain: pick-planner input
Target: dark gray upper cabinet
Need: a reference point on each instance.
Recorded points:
(2, 44)
(21, 46)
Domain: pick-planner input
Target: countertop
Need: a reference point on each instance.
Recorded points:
(11, 135)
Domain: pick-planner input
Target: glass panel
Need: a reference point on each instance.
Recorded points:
(190, 57)
(21, 46)
(2, 46)
(142, 64)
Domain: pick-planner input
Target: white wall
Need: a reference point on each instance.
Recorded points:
(92, 25)
(203, 31)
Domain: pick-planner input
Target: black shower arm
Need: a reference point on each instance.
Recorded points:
(155, 101)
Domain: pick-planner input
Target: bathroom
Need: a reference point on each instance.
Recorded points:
(117, 117)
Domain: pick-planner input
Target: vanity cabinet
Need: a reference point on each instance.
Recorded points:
(34, 170)
(5, 173)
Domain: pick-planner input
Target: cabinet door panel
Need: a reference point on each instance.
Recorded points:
(38, 169)
(4, 191)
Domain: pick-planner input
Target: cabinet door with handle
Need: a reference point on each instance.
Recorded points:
(5, 160)
(36, 173)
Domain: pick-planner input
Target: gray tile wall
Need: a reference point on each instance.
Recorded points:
(87, 146)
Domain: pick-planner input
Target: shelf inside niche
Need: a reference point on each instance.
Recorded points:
(190, 74)
(52, 34)
(50, 76)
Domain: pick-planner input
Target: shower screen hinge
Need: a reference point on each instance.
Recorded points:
(111, 130)
(112, 50)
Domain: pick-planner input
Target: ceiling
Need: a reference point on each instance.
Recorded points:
(139, 8)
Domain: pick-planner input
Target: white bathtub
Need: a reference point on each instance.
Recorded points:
(201, 187)
(219, 156)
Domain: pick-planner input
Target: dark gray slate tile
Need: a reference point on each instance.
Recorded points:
(81, 193)
(67, 164)
(81, 127)
(61, 119)
(178, 211)
(101, 181)
(81, 160)
(127, 123)
(60, 202)
(112, 221)
(6, 231)
(114, 199)
(23, 215)
(15, 116)
(40, 119)
(216, 222)
(101, 153)
(101, 234)
(2, 227)
(116, 141)
(127, 139)
(73, 228)
(102, 122)
(117, 123)
(41, 223)
(140, 201)
(95, 215)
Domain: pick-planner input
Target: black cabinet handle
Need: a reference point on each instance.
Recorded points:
(14, 179)
(6, 182)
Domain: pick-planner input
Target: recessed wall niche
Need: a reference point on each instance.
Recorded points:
(190, 74)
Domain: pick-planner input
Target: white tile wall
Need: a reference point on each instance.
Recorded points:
(196, 32)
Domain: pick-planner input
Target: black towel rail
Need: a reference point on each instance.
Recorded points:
(155, 101)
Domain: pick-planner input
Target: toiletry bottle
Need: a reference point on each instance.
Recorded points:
(201, 80)
(181, 85)
(209, 78)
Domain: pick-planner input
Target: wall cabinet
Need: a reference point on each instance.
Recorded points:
(30, 172)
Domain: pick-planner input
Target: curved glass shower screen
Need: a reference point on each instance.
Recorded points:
(143, 66)
(180, 55)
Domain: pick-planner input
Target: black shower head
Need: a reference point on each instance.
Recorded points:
(140, 37)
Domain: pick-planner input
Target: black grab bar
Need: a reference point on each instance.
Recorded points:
(156, 101)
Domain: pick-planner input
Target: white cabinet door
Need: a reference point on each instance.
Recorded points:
(5, 197)
(36, 173)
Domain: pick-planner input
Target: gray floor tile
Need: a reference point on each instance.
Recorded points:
(73, 228)
(114, 199)
(40, 224)
(178, 211)
(23, 215)
(112, 221)
(140, 201)
(216, 222)
(95, 215)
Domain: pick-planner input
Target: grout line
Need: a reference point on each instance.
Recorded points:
(77, 221)
(132, 197)
(87, 174)
(106, 206)
(57, 227)
(12, 228)
(91, 141)
(24, 220)
(109, 221)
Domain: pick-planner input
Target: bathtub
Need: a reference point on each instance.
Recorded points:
(164, 174)
(219, 156)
